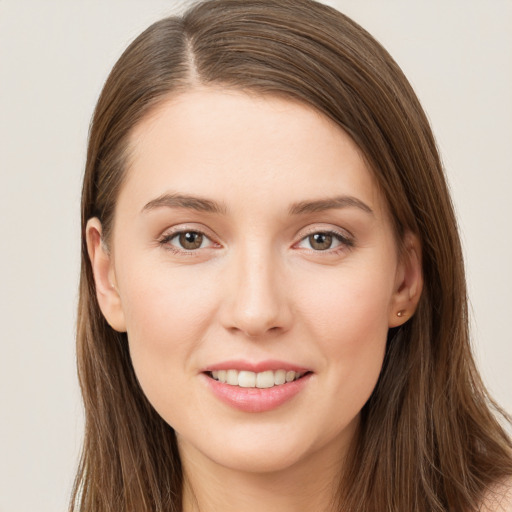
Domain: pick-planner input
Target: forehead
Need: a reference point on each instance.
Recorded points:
(232, 144)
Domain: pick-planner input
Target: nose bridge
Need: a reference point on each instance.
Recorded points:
(257, 302)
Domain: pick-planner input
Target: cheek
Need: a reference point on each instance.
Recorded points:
(169, 302)
(167, 314)
(349, 319)
(349, 304)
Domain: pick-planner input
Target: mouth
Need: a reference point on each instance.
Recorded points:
(261, 380)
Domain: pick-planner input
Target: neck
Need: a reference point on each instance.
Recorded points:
(311, 484)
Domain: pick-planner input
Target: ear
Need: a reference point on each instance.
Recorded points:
(104, 277)
(408, 283)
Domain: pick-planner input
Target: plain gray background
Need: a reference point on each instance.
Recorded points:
(54, 58)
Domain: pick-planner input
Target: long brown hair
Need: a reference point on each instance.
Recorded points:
(428, 438)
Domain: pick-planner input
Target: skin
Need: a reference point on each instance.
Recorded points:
(256, 289)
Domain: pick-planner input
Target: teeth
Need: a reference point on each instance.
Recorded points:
(232, 377)
(262, 380)
(279, 377)
(265, 379)
(246, 379)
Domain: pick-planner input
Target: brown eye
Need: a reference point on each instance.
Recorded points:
(320, 241)
(181, 242)
(190, 240)
(326, 241)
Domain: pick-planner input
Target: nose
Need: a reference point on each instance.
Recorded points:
(256, 298)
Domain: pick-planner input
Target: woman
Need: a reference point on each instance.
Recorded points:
(272, 303)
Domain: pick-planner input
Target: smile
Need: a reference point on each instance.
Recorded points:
(256, 391)
(262, 380)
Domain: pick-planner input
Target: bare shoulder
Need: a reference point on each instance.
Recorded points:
(499, 498)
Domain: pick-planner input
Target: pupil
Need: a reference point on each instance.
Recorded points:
(191, 240)
(320, 241)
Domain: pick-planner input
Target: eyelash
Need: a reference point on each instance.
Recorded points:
(345, 243)
(165, 240)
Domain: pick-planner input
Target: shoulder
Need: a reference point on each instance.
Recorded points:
(499, 498)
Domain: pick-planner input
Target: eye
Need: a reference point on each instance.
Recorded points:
(187, 240)
(323, 241)
(190, 240)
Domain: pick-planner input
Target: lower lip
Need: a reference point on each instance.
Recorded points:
(256, 399)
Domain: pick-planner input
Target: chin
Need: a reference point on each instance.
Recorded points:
(272, 448)
(256, 459)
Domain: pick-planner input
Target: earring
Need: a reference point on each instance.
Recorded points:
(401, 313)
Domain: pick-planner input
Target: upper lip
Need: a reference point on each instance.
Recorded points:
(256, 367)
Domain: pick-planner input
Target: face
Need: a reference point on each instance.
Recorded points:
(255, 270)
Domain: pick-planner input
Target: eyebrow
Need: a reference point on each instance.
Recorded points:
(209, 206)
(321, 205)
(184, 201)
